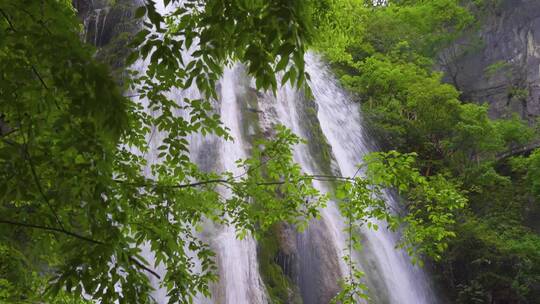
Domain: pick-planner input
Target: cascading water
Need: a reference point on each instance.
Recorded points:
(341, 124)
(389, 273)
(321, 261)
(320, 248)
(240, 279)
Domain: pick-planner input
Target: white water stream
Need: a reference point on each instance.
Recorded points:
(239, 269)
(341, 124)
(390, 274)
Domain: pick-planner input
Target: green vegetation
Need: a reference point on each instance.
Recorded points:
(75, 202)
(280, 287)
(387, 61)
(76, 207)
(433, 203)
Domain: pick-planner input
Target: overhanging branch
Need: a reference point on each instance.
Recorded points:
(75, 235)
(232, 181)
(52, 229)
(142, 266)
(518, 151)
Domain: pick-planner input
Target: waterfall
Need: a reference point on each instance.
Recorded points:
(321, 260)
(237, 263)
(240, 279)
(341, 124)
(320, 249)
(155, 139)
(389, 273)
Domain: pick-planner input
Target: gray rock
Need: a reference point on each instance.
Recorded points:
(500, 63)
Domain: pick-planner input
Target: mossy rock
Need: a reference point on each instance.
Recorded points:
(280, 286)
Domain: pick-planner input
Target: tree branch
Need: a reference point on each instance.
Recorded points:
(75, 235)
(142, 266)
(7, 19)
(52, 229)
(519, 150)
(40, 79)
(39, 21)
(230, 181)
(5, 129)
(38, 185)
(13, 29)
(201, 183)
(8, 132)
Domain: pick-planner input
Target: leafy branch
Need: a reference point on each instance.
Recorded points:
(75, 235)
(232, 181)
(52, 229)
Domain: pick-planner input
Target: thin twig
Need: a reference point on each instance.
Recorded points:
(36, 178)
(13, 29)
(75, 235)
(330, 177)
(263, 163)
(201, 183)
(7, 19)
(9, 132)
(231, 180)
(350, 241)
(141, 265)
(357, 171)
(40, 189)
(52, 229)
(40, 79)
(39, 21)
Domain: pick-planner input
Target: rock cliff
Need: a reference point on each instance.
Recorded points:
(498, 62)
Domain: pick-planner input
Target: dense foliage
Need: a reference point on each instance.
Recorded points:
(76, 204)
(386, 57)
(80, 201)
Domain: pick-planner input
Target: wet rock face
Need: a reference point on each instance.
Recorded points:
(103, 20)
(500, 63)
(319, 265)
(287, 255)
(94, 14)
(109, 25)
(309, 258)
